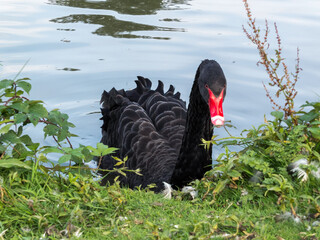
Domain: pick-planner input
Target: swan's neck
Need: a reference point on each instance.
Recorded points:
(194, 160)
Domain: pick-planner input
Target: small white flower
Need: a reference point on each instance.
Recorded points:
(77, 233)
(167, 191)
(244, 192)
(122, 218)
(301, 173)
(190, 190)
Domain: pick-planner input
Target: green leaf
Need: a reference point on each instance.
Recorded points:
(6, 128)
(50, 130)
(10, 163)
(34, 120)
(20, 106)
(19, 151)
(109, 151)
(5, 83)
(20, 117)
(77, 152)
(33, 147)
(87, 157)
(26, 139)
(277, 114)
(309, 116)
(234, 174)
(220, 186)
(38, 110)
(315, 132)
(52, 150)
(101, 150)
(24, 85)
(273, 188)
(20, 130)
(62, 135)
(10, 137)
(19, 92)
(64, 158)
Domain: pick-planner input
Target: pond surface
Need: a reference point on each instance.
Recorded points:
(78, 48)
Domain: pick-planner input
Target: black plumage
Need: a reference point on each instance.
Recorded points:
(157, 133)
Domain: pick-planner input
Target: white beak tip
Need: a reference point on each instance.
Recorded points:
(217, 120)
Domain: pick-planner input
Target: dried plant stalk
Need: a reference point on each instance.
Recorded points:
(276, 68)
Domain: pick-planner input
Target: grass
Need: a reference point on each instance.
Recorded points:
(76, 207)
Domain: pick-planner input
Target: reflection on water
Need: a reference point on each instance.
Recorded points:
(111, 26)
(131, 7)
(114, 27)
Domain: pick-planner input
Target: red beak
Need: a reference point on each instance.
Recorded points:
(215, 106)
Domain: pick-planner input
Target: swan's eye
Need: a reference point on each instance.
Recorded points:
(206, 86)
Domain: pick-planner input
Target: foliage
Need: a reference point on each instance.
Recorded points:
(17, 150)
(261, 170)
(269, 164)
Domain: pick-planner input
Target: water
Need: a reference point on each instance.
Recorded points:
(78, 48)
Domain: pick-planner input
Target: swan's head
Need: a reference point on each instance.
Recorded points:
(212, 86)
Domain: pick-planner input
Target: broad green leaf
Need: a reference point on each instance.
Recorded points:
(52, 150)
(101, 150)
(19, 92)
(2, 107)
(315, 132)
(50, 130)
(5, 83)
(234, 174)
(20, 117)
(20, 106)
(26, 139)
(309, 116)
(34, 120)
(20, 130)
(5, 128)
(58, 118)
(109, 151)
(19, 151)
(10, 137)
(77, 152)
(24, 85)
(9, 163)
(87, 157)
(277, 114)
(38, 110)
(62, 135)
(33, 147)
(64, 158)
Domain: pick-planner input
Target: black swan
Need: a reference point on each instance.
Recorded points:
(158, 134)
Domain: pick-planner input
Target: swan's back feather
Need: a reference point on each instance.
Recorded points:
(147, 126)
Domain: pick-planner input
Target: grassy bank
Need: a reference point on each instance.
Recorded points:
(50, 207)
